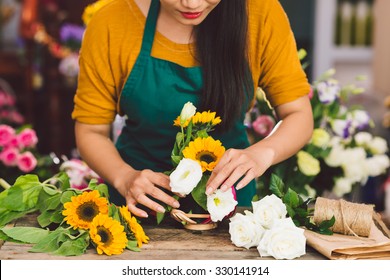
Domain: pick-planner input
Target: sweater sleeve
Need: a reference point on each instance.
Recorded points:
(282, 77)
(95, 101)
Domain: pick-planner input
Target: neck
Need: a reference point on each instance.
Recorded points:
(167, 26)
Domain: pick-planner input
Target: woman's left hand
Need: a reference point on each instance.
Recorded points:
(235, 164)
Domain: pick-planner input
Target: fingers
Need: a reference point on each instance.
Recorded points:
(235, 165)
(146, 185)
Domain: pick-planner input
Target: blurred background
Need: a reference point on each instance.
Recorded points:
(39, 42)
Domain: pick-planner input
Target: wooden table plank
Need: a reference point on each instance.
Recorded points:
(167, 242)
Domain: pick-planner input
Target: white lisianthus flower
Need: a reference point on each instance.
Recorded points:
(377, 165)
(268, 209)
(360, 119)
(244, 231)
(377, 146)
(320, 137)
(354, 164)
(186, 176)
(363, 138)
(342, 128)
(328, 91)
(220, 204)
(307, 164)
(335, 157)
(187, 112)
(283, 241)
(342, 186)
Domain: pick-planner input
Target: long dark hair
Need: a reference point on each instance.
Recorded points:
(221, 41)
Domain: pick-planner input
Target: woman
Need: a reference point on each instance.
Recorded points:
(146, 58)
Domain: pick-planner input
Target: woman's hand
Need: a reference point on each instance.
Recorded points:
(236, 164)
(138, 186)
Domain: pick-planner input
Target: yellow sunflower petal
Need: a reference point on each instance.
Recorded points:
(108, 235)
(83, 208)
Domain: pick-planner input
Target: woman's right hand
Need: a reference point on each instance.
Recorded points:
(137, 187)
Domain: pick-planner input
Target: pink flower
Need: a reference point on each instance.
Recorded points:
(7, 134)
(9, 156)
(27, 138)
(263, 125)
(27, 162)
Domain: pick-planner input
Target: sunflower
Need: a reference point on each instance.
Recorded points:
(108, 235)
(200, 119)
(206, 151)
(206, 118)
(81, 210)
(134, 226)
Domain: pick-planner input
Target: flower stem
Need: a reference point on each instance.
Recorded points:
(4, 184)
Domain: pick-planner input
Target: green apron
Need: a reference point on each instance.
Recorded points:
(152, 98)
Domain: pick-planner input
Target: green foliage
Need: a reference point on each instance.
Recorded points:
(47, 198)
(297, 208)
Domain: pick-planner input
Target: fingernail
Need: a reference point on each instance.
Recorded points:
(239, 186)
(160, 209)
(209, 190)
(144, 215)
(224, 187)
(176, 204)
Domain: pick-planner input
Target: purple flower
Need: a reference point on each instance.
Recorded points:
(71, 32)
(328, 91)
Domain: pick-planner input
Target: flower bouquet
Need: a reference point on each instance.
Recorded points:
(70, 220)
(194, 156)
(277, 223)
(342, 153)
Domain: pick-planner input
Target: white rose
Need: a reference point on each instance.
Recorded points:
(362, 138)
(342, 186)
(187, 112)
(244, 232)
(283, 241)
(335, 157)
(268, 209)
(377, 165)
(186, 176)
(220, 204)
(378, 145)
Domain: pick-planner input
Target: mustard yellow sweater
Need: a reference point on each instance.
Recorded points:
(112, 42)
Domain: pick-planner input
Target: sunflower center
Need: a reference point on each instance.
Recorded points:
(87, 211)
(206, 156)
(105, 235)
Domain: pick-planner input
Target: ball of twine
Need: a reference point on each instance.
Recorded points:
(351, 218)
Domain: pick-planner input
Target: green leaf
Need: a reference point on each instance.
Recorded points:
(49, 243)
(26, 234)
(291, 198)
(46, 202)
(101, 188)
(50, 191)
(133, 246)
(66, 196)
(44, 218)
(160, 217)
(73, 247)
(176, 159)
(7, 216)
(276, 186)
(327, 223)
(22, 196)
(199, 192)
(290, 211)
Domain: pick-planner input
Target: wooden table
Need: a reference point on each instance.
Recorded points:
(169, 241)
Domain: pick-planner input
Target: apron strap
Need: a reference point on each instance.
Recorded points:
(150, 27)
